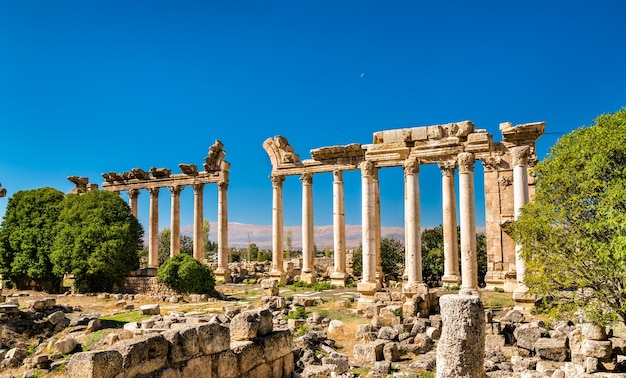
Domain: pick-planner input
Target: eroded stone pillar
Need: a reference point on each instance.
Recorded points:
(222, 273)
(338, 277)
(413, 248)
(368, 285)
(451, 274)
(308, 269)
(133, 194)
(461, 347)
(278, 271)
(175, 219)
(380, 276)
(198, 218)
(153, 238)
(469, 261)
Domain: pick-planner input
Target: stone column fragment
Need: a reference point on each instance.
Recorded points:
(198, 219)
(339, 275)
(277, 271)
(133, 194)
(308, 270)
(153, 238)
(175, 220)
(451, 274)
(461, 347)
(368, 285)
(469, 261)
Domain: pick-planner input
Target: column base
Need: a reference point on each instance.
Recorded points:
(451, 280)
(308, 277)
(522, 299)
(278, 275)
(367, 288)
(412, 291)
(510, 282)
(338, 279)
(222, 274)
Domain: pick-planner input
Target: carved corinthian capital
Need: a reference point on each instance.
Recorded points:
(198, 188)
(222, 184)
(154, 192)
(277, 181)
(447, 167)
(133, 193)
(466, 162)
(306, 178)
(492, 163)
(368, 168)
(175, 189)
(520, 155)
(411, 165)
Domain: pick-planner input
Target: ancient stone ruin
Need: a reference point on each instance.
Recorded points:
(507, 188)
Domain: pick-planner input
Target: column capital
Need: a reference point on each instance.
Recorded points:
(175, 189)
(338, 175)
(411, 165)
(133, 193)
(520, 155)
(368, 168)
(277, 181)
(466, 162)
(447, 167)
(222, 184)
(492, 163)
(198, 188)
(154, 191)
(307, 178)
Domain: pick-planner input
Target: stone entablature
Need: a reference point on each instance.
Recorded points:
(450, 146)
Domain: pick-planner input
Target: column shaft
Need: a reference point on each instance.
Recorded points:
(198, 218)
(450, 237)
(153, 238)
(380, 276)
(412, 228)
(339, 275)
(133, 194)
(277, 228)
(520, 198)
(308, 269)
(175, 220)
(469, 261)
(222, 273)
(369, 228)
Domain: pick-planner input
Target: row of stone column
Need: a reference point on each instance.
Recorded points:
(468, 278)
(198, 218)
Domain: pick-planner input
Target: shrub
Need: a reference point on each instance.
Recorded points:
(184, 274)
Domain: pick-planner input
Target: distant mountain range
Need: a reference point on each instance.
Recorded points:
(239, 234)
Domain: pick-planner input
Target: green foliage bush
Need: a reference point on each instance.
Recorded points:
(184, 274)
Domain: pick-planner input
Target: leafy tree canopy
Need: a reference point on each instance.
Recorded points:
(165, 237)
(97, 240)
(574, 232)
(26, 237)
(184, 274)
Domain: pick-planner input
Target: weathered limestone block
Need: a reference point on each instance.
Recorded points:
(213, 338)
(551, 349)
(316, 371)
(65, 346)
(56, 317)
(227, 365)
(183, 344)
(96, 364)
(337, 363)
(143, 355)
(369, 353)
(596, 348)
(388, 333)
(299, 300)
(423, 343)
(391, 352)
(433, 333)
(461, 348)
(527, 335)
(276, 345)
(249, 354)
(262, 370)
(198, 367)
(593, 332)
(9, 308)
(18, 354)
(249, 324)
(335, 329)
(150, 309)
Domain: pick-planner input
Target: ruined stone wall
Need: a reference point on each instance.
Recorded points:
(143, 281)
(249, 347)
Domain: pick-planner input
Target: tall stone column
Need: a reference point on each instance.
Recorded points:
(222, 273)
(520, 156)
(338, 278)
(368, 285)
(133, 194)
(451, 274)
(278, 271)
(198, 219)
(380, 276)
(412, 228)
(308, 269)
(175, 219)
(469, 261)
(153, 238)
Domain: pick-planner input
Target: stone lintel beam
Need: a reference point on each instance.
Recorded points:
(424, 133)
(526, 133)
(311, 166)
(332, 153)
(177, 179)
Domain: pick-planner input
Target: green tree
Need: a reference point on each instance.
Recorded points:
(392, 256)
(26, 237)
(97, 240)
(573, 234)
(288, 241)
(184, 274)
(165, 237)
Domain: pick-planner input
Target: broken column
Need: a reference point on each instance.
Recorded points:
(461, 347)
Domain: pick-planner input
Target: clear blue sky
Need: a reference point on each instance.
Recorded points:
(89, 87)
